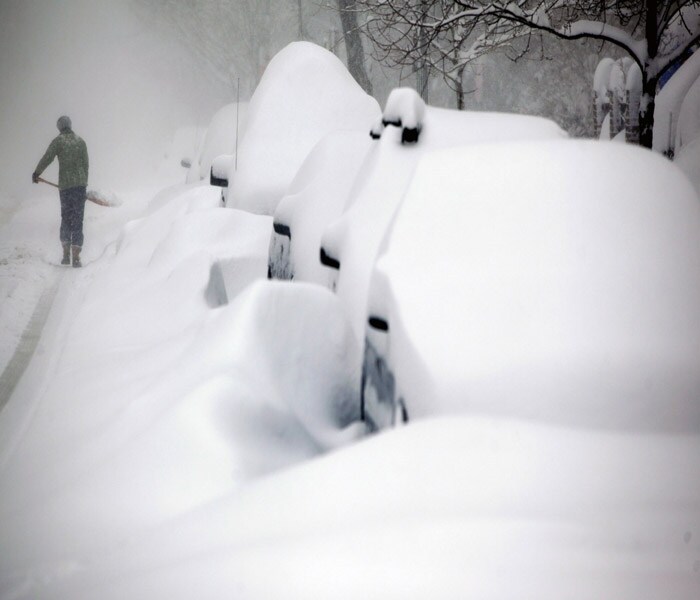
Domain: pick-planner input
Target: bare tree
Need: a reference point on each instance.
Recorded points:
(654, 33)
(353, 43)
(429, 37)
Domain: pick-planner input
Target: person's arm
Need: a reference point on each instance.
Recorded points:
(46, 160)
(87, 159)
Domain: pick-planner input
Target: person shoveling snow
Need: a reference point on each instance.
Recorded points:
(73, 166)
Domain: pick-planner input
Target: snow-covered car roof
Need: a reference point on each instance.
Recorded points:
(305, 93)
(552, 280)
(383, 178)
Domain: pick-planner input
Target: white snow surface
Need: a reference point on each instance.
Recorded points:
(438, 509)
(544, 292)
(305, 93)
(164, 444)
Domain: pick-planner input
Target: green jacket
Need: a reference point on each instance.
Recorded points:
(73, 161)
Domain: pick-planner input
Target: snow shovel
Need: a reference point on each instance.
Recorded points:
(92, 195)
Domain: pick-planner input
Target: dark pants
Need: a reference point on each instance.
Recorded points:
(72, 210)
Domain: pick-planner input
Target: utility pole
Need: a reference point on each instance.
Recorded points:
(301, 22)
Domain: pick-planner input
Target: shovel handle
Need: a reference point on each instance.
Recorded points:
(46, 181)
(91, 196)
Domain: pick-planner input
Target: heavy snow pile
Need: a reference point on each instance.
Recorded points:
(441, 509)
(167, 386)
(305, 93)
(538, 294)
(168, 439)
(170, 380)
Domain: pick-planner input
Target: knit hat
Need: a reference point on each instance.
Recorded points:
(64, 124)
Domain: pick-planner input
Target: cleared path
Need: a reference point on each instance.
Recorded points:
(28, 343)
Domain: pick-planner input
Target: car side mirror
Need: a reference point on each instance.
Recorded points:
(328, 260)
(378, 323)
(282, 229)
(219, 173)
(217, 181)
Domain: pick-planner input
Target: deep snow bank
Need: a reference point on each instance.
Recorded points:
(161, 399)
(442, 509)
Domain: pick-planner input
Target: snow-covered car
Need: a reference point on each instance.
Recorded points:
(316, 197)
(554, 281)
(407, 130)
(226, 125)
(305, 93)
(185, 145)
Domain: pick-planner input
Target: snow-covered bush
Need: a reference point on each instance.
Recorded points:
(541, 292)
(305, 93)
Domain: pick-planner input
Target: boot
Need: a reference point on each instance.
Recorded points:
(66, 254)
(76, 256)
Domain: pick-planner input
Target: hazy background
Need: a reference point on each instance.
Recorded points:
(130, 72)
(125, 87)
